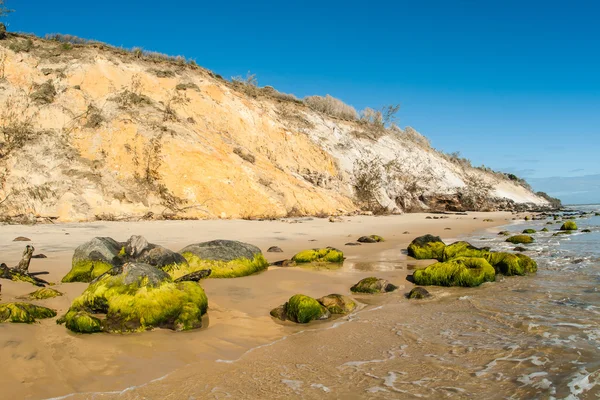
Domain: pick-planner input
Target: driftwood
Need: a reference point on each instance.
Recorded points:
(23, 265)
(195, 276)
(21, 271)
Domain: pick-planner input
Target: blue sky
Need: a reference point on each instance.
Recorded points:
(513, 85)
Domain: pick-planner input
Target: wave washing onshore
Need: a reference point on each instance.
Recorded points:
(520, 337)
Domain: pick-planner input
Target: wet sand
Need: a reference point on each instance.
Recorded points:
(45, 360)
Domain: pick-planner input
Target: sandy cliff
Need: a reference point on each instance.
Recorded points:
(96, 132)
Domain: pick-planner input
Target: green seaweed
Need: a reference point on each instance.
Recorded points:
(520, 239)
(139, 305)
(220, 269)
(569, 226)
(512, 264)
(325, 255)
(426, 247)
(81, 322)
(44, 293)
(86, 271)
(303, 309)
(463, 271)
(463, 249)
(24, 313)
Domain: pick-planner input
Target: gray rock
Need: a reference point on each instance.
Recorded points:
(222, 250)
(274, 249)
(98, 249)
(367, 239)
(136, 245)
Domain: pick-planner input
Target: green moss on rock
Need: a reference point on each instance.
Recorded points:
(512, 264)
(504, 233)
(24, 313)
(372, 285)
(426, 247)
(520, 239)
(529, 231)
(136, 298)
(81, 322)
(303, 309)
(463, 271)
(463, 249)
(545, 230)
(418, 293)
(569, 226)
(44, 293)
(86, 271)
(221, 269)
(325, 255)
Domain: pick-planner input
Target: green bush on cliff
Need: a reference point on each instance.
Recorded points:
(462, 271)
(569, 226)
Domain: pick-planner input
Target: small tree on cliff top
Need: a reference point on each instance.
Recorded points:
(3, 10)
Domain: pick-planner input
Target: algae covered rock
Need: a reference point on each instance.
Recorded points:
(463, 249)
(370, 239)
(462, 271)
(92, 259)
(512, 264)
(373, 285)
(325, 255)
(24, 313)
(137, 297)
(426, 247)
(101, 254)
(418, 293)
(303, 309)
(529, 231)
(226, 259)
(44, 293)
(337, 303)
(569, 226)
(504, 233)
(520, 239)
(544, 230)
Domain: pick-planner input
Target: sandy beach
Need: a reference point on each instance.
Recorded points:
(48, 361)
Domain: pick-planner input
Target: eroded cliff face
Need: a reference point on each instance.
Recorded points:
(94, 132)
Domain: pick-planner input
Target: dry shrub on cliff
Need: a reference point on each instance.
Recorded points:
(44, 93)
(248, 85)
(475, 194)
(331, 106)
(16, 126)
(367, 183)
(19, 45)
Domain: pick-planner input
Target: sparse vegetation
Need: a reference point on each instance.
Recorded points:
(44, 93)
(331, 106)
(132, 96)
(162, 73)
(186, 86)
(367, 183)
(19, 45)
(17, 125)
(178, 98)
(554, 202)
(475, 194)
(248, 84)
(93, 117)
(245, 155)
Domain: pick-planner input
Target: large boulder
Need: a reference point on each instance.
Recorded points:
(136, 297)
(226, 259)
(569, 226)
(520, 239)
(372, 285)
(463, 249)
(462, 271)
(325, 255)
(24, 313)
(101, 254)
(426, 247)
(511, 264)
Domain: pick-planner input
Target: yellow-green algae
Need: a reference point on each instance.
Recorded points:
(220, 269)
(462, 249)
(529, 231)
(86, 271)
(24, 312)
(462, 271)
(426, 247)
(372, 285)
(520, 239)
(138, 305)
(81, 322)
(569, 226)
(44, 293)
(325, 255)
(303, 309)
(512, 264)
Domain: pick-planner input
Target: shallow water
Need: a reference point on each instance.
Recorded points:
(518, 337)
